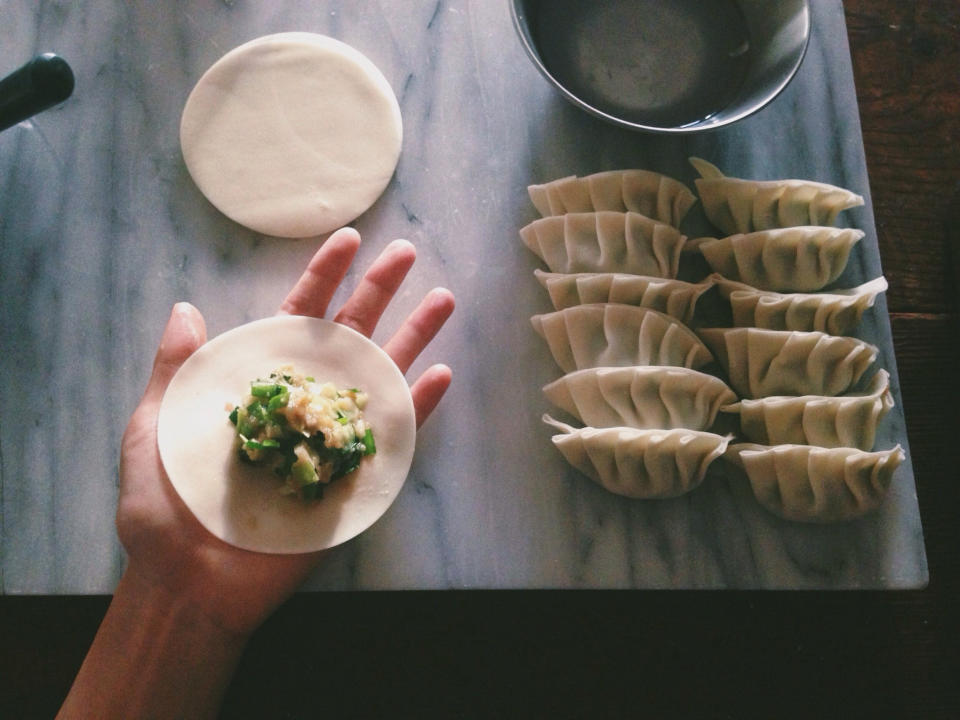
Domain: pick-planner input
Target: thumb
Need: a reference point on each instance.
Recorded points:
(185, 332)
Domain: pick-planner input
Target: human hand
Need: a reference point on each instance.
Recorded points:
(169, 551)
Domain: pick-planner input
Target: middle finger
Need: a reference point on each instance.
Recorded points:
(363, 308)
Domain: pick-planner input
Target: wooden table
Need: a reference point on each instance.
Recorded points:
(660, 654)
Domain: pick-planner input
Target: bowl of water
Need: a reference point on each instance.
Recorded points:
(666, 66)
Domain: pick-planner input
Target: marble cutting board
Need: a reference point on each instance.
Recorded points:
(101, 231)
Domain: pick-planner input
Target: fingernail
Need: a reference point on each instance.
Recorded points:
(442, 294)
(401, 243)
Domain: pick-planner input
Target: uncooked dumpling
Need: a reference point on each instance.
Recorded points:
(292, 135)
(641, 397)
(648, 464)
(614, 335)
(742, 206)
(837, 312)
(800, 259)
(675, 298)
(605, 242)
(761, 363)
(844, 421)
(241, 503)
(820, 485)
(642, 191)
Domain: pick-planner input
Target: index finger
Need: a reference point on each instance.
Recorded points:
(312, 292)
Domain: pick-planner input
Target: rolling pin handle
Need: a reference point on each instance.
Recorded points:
(40, 84)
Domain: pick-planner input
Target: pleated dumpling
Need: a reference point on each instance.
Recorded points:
(802, 259)
(819, 485)
(761, 363)
(675, 298)
(649, 464)
(837, 312)
(615, 335)
(642, 191)
(844, 421)
(605, 242)
(641, 397)
(742, 206)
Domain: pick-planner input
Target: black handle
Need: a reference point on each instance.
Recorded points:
(41, 83)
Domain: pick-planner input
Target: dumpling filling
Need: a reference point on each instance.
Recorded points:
(310, 433)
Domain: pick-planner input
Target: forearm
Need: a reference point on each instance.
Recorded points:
(154, 656)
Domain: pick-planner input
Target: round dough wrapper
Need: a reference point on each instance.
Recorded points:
(241, 503)
(292, 135)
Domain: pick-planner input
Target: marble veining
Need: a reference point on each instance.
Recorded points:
(101, 231)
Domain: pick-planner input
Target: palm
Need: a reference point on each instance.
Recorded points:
(166, 545)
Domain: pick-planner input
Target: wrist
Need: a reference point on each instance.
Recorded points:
(160, 606)
(153, 640)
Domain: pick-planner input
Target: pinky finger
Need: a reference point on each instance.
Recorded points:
(428, 390)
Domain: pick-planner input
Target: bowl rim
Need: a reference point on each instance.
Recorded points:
(526, 39)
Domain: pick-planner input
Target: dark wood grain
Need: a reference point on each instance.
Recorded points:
(652, 654)
(906, 59)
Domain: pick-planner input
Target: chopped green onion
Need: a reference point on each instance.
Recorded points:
(310, 378)
(245, 426)
(368, 444)
(265, 390)
(278, 401)
(342, 420)
(265, 444)
(233, 415)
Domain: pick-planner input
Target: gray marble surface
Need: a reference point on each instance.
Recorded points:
(101, 231)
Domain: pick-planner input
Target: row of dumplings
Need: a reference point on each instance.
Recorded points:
(622, 334)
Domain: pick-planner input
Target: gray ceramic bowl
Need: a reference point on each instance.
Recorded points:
(666, 66)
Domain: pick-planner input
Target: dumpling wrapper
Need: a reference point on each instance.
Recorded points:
(843, 421)
(817, 485)
(736, 205)
(762, 363)
(606, 241)
(292, 135)
(617, 335)
(675, 298)
(644, 397)
(837, 312)
(241, 503)
(794, 259)
(641, 464)
(641, 191)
